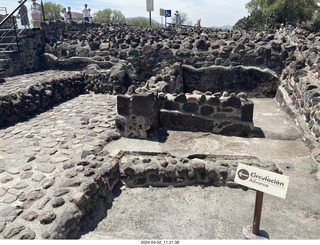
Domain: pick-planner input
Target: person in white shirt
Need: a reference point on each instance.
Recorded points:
(86, 13)
(35, 11)
(90, 16)
(63, 14)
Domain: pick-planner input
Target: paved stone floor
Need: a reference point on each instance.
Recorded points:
(38, 160)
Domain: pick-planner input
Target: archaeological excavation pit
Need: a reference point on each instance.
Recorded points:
(184, 115)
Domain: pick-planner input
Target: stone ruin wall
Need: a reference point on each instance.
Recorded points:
(165, 170)
(32, 44)
(291, 59)
(298, 72)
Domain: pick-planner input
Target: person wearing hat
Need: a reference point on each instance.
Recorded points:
(198, 25)
(23, 12)
(178, 18)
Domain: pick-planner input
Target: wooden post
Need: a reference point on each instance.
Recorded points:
(257, 213)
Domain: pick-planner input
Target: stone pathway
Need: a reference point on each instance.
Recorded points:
(44, 159)
(22, 82)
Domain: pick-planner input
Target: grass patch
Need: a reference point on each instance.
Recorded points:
(314, 168)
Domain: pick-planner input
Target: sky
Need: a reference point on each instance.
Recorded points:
(211, 12)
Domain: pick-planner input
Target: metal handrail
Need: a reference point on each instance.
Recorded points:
(5, 19)
(14, 28)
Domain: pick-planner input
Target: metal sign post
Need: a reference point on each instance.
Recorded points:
(161, 14)
(43, 14)
(150, 8)
(257, 213)
(262, 181)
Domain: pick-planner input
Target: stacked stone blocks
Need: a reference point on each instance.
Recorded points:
(163, 169)
(140, 115)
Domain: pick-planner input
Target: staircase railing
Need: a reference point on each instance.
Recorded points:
(13, 28)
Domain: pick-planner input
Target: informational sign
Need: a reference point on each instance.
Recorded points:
(262, 180)
(150, 6)
(167, 13)
(161, 12)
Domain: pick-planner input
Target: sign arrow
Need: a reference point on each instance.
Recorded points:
(243, 174)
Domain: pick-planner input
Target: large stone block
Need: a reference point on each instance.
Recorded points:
(123, 103)
(143, 104)
(247, 111)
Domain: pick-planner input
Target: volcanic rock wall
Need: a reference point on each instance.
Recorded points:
(32, 45)
(147, 51)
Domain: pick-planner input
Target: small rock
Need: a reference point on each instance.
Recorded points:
(117, 154)
(44, 203)
(77, 198)
(60, 192)
(27, 234)
(46, 168)
(6, 179)
(30, 216)
(58, 202)
(70, 183)
(2, 191)
(2, 226)
(242, 95)
(38, 177)
(47, 218)
(13, 171)
(13, 230)
(46, 183)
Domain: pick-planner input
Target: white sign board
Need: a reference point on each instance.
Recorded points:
(150, 6)
(262, 180)
(161, 12)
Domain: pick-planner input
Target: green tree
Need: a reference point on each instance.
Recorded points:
(141, 22)
(258, 21)
(184, 19)
(283, 11)
(51, 11)
(109, 16)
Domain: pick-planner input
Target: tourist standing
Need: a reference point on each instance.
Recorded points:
(69, 15)
(282, 29)
(23, 12)
(63, 14)
(198, 24)
(35, 11)
(90, 16)
(86, 13)
(178, 18)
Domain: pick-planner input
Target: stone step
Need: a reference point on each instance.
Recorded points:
(5, 60)
(12, 37)
(8, 51)
(7, 44)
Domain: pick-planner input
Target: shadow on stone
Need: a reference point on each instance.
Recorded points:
(102, 211)
(263, 233)
(258, 133)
